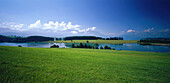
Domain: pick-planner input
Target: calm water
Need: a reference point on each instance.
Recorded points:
(132, 47)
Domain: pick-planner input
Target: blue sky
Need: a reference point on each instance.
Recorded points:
(131, 19)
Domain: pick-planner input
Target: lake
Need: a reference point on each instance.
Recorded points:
(131, 47)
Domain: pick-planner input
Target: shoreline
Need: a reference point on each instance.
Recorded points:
(161, 44)
(89, 49)
(154, 44)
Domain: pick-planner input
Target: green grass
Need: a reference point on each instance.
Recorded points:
(22, 64)
(98, 41)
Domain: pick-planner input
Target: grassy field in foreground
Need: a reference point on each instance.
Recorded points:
(22, 64)
(98, 41)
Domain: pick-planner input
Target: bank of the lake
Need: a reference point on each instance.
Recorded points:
(155, 44)
(96, 41)
(23, 64)
(126, 46)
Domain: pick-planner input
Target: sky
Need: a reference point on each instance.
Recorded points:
(131, 19)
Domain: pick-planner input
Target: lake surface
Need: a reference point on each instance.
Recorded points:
(131, 47)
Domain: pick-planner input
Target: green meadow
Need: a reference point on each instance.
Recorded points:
(97, 41)
(43, 65)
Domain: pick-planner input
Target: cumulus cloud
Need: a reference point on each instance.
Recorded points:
(51, 25)
(63, 25)
(37, 24)
(12, 26)
(72, 27)
(7, 24)
(48, 27)
(130, 30)
(55, 26)
(88, 29)
(93, 28)
(149, 30)
(74, 32)
(19, 25)
(58, 26)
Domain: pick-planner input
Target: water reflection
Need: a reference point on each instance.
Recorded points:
(132, 47)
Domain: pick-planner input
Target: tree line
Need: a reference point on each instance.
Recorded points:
(42, 38)
(82, 38)
(25, 39)
(96, 46)
(91, 38)
(155, 40)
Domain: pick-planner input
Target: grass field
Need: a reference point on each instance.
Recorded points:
(98, 41)
(22, 64)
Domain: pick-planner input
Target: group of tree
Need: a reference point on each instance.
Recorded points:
(82, 38)
(42, 38)
(91, 38)
(81, 45)
(113, 38)
(54, 46)
(155, 40)
(25, 39)
(96, 46)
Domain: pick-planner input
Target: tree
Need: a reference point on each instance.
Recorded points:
(109, 47)
(101, 47)
(59, 39)
(106, 47)
(54, 46)
(88, 46)
(73, 46)
(96, 45)
(107, 38)
(85, 45)
(77, 46)
(19, 46)
(81, 45)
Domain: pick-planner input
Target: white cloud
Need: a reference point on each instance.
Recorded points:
(19, 25)
(109, 34)
(51, 25)
(149, 30)
(84, 30)
(93, 28)
(7, 24)
(60, 26)
(88, 29)
(130, 30)
(122, 33)
(37, 24)
(72, 27)
(12, 26)
(74, 32)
